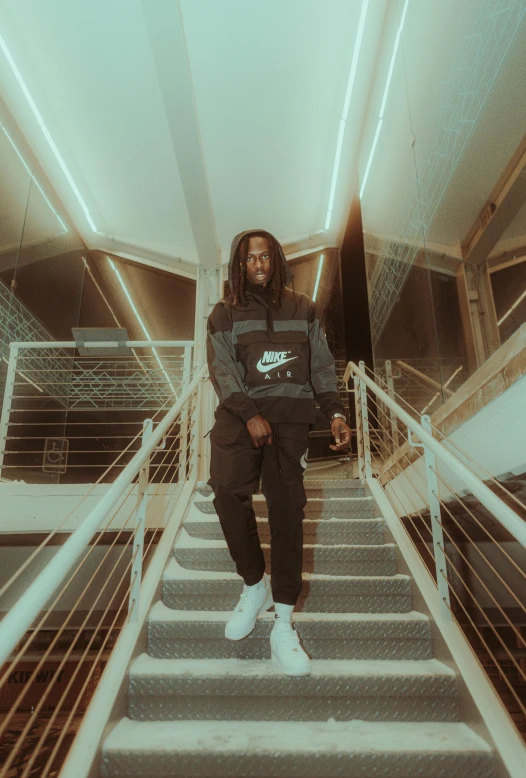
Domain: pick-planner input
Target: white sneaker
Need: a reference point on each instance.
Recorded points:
(254, 600)
(286, 650)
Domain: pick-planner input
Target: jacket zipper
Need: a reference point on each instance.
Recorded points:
(270, 320)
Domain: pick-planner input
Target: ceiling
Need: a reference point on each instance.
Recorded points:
(181, 124)
(166, 127)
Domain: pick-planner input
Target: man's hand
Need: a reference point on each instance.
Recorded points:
(341, 433)
(260, 431)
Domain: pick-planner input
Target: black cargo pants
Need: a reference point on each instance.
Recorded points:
(235, 471)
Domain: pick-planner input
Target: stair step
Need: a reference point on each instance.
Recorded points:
(196, 590)
(247, 690)
(199, 635)
(175, 749)
(333, 507)
(326, 531)
(345, 487)
(200, 554)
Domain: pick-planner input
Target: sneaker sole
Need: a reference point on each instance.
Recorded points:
(269, 602)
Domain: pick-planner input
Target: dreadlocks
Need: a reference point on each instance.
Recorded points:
(278, 273)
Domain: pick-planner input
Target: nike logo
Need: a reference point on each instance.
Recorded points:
(272, 359)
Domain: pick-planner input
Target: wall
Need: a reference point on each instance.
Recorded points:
(43, 507)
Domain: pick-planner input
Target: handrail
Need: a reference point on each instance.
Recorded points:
(102, 344)
(20, 617)
(507, 517)
(422, 377)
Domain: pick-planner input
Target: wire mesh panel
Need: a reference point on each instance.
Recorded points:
(66, 416)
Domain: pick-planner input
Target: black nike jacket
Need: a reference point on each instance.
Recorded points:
(276, 363)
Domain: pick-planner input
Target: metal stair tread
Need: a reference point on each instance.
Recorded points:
(176, 572)
(291, 737)
(146, 665)
(161, 612)
(310, 484)
(313, 500)
(314, 504)
(203, 518)
(187, 541)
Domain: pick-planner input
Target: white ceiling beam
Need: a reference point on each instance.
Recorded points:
(501, 208)
(507, 260)
(144, 256)
(164, 24)
(44, 248)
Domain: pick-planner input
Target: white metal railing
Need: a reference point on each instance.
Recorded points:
(66, 416)
(442, 500)
(101, 567)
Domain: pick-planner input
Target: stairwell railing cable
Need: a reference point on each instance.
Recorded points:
(520, 638)
(168, 456)
(479, 469)
(477, 567)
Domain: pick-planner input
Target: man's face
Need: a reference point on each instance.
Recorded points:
(258, 261)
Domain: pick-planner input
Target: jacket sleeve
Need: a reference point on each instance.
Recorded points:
(322, 368)
(225, 372)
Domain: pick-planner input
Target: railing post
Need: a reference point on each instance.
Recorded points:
(9, 391)
(391, 393)
(365, 426)
(183, 425)
(140, 521)
(436, 524)
(359, 428)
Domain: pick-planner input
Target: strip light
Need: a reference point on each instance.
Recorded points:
(384, 100)
(24, 163)
(117, 322)
(517, 302)
(137, 315)
(345, 112)
(47, 134)
(318, 276)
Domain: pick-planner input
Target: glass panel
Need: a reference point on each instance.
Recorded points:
(403, 320)
(450, 128)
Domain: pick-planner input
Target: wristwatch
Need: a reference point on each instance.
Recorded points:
(338, 416)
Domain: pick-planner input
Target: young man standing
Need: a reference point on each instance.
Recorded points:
(269, 362)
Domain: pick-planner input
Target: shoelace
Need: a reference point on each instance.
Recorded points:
(288, 638)
(247, 595)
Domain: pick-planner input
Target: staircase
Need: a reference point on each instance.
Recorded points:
(377, 702)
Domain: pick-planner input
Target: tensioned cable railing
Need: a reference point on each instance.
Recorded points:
(479, 567)
(400, 446)
(91, 588)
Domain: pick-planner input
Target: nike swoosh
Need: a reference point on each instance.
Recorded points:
(265, 368)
